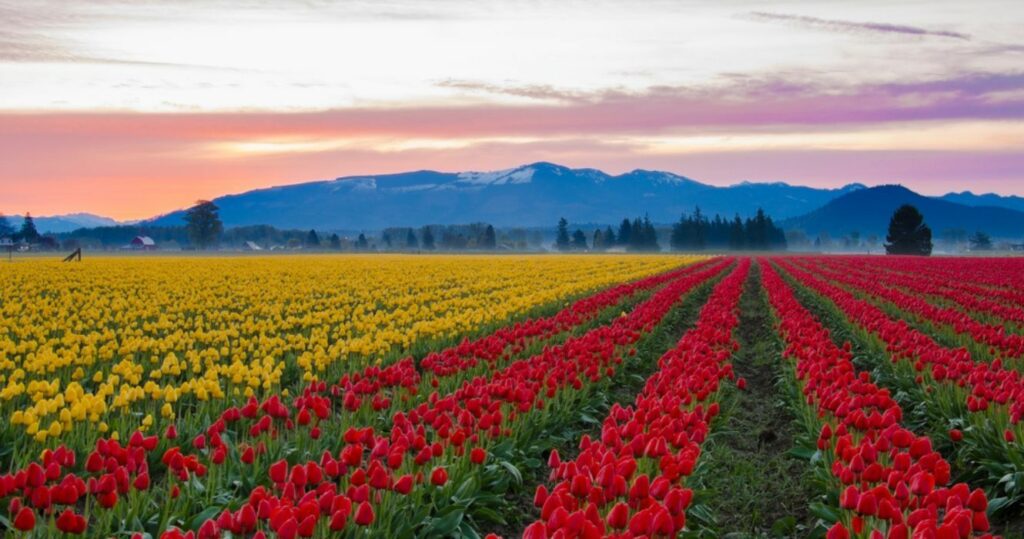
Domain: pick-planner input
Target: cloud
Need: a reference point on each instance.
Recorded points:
(545, 92)
(740, 105)
(42, 34)
(853, 26)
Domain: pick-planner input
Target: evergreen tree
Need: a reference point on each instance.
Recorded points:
(625, 233)
(490, 241)
(981, 241)
(757, 231)
(312, 239)
(361, 243)
(203, 224)
(579, 240)
(690, 232)
(609, 237)
(737, 236)
(598, 242)
(908, 233)
(410, 240)
(335, 242)
(428, 238)
(562, 237)
(6, 230)
(700, 226)
(677, 239)
(28, 232)
(650, 236)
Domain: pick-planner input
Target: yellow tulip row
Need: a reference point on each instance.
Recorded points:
(80, 342)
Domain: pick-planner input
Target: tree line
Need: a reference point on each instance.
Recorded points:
(633, 235)
(697, 232)
(692, 232)
(203, 229)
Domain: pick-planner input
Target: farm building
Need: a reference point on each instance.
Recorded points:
(143, 243)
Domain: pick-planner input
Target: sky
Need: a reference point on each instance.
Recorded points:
(131, 109)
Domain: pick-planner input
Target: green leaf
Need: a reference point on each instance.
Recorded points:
(801, 452)
(466, 489)
(824, 512)
(446, 525)
(467, 532)
(513, 471)
(490, 515)
(702, 514)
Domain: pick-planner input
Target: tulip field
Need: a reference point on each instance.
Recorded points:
(537, 396)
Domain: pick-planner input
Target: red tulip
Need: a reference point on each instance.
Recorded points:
(364, 514)
(838, 531)
(618, 517)
(536, 530)
(208, 530)
(439, 477)
(307, 526)
(25, 520)
(403, 485)
(338, 521)
(279, 471)
(246, 518)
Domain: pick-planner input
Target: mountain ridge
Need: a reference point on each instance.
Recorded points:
(536, 194)
(867, 211)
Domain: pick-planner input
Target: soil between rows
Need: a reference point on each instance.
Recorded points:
(753, 485)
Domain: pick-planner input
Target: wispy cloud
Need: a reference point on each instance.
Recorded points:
(836, 25)
(544, 92)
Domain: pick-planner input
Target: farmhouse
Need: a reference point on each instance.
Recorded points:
(143, 243)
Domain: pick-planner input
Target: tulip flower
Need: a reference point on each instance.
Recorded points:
(25, 519)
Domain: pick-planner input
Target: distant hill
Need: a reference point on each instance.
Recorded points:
(527, 196)
(968, 198)
(868, 211)
(57, 224)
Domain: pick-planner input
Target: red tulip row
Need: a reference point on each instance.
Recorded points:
(992, 278)
(968, 297)
(113, 472)
(629, 483)
(987, 383)
(960, 322)
(892, 483)
(488, 349)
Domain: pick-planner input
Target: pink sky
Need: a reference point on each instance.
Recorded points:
(101, 116)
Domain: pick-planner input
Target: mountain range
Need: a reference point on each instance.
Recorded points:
(538, 194)
(529, 196)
